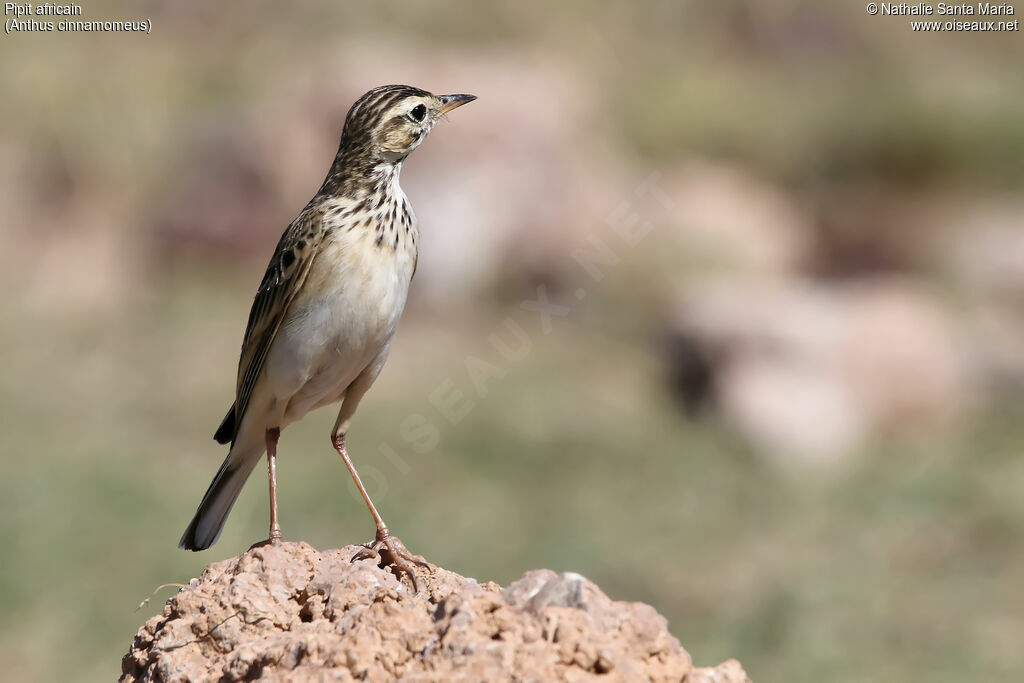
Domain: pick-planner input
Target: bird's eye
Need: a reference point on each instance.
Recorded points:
(418, 112)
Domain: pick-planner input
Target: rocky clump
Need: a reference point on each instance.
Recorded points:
(294, 612)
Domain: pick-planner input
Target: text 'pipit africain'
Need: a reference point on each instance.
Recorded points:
(324, 316)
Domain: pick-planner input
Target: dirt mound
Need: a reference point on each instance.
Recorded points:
(295, 612)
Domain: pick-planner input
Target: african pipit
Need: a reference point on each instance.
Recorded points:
(324, 316)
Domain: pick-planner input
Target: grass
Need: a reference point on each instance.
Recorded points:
(851, 123)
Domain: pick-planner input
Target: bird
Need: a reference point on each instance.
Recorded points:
(325, 314)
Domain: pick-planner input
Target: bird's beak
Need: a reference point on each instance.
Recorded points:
(449, 102)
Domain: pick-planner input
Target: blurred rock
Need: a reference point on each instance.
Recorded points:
(729, 218)
(67, 256)
(984, 250)
(979, 245)
(996, 354)
(294, 613)
(809, 371)
(222, 202)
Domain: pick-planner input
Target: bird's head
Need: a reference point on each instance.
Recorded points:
(389, 122)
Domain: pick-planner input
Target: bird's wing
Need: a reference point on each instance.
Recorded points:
(285, 276)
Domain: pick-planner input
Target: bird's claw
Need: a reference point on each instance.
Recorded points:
(274, 540)
(392, 552)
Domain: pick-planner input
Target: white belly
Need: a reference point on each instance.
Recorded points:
(345, 319)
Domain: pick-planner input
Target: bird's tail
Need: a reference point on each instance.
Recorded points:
(205, 528)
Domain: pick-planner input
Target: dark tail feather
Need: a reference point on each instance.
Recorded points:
(226, 431)
(205, 528)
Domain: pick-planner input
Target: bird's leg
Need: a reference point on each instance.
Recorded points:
(275, 528)
(391, 550)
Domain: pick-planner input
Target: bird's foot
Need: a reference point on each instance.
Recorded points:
(274, 540)
(392, 552)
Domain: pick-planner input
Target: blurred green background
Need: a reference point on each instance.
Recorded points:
(788, 414)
